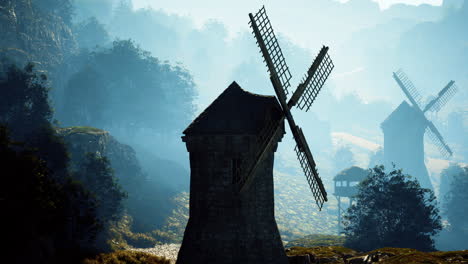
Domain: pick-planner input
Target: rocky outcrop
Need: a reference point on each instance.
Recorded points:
(83, 140)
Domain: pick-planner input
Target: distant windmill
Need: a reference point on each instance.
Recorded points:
(405, 127)
(231, 145)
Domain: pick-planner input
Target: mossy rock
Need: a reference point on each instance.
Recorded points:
(80, 129)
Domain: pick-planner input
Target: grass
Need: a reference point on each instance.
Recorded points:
(317, 240)
(337, 254)
(126, 257)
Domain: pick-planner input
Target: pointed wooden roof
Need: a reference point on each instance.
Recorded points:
(352, 174)
(236, 111)
(402, 116)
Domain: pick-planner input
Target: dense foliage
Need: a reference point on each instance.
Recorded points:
(392, 210)
(71, 210)
(41, 215)
(125, 88)
(97, 176)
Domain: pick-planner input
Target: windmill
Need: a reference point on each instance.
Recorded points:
(231, 146)
(404, 129)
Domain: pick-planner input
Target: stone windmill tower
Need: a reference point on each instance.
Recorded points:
(231, 145)
(404, 130)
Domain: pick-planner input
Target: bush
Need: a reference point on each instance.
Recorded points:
(392, 210)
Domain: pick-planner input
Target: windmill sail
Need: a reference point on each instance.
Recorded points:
(270, 48)
(442, 98)
(408, 88)
(280, 76)
(437, 140)
(313, 81)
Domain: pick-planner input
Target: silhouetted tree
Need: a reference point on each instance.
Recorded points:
(25, 110)
(392, 210)
(96, 174)
(40, 215)
(24, 104)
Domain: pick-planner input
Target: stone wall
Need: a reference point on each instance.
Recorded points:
(226, 226)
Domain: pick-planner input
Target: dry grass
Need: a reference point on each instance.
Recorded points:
(126, 257)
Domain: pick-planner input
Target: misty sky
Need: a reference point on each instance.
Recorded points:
(234, 13)
(368, 40)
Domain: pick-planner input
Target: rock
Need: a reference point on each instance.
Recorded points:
(83, 140)
(378, 257)
(356, 260)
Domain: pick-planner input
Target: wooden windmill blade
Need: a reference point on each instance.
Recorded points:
(271, 50)
(408, 88)
(312, 81)
(442, 98)
(438, 140)
(280, 76)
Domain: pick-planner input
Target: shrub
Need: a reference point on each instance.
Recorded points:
(392, 210)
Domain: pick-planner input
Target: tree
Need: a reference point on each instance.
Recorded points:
(25, 110)
(456, 204)
(447, 179)
(24, 104)
(125, 88)
(97, 176)
(37, 210)
(392, 210)
(91, 33)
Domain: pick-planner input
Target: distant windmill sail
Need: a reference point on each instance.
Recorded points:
(305, 94)
(442, 98)
(408, 87)
(438, 140)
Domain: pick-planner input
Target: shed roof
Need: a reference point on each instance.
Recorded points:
(236, 111)
(352, 174)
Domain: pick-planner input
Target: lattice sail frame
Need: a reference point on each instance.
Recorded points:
(438, 141)
(316, 83)
(442, 100)
(310, 176)
(271, 43)
(409, 86)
